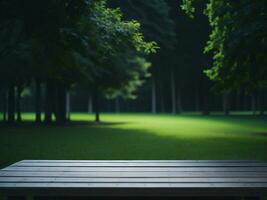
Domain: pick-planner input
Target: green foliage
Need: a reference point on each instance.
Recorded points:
(237, 42)
(189, 8)
(69, 42)
(113, 32)
(119, 47)
(139, 71)
(156, 23)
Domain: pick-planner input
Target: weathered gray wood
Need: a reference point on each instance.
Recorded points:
(129, 180)
(133, 185)
(141, 164)
(140, 161)
(140, 169)
(176, 178)
(134, 174)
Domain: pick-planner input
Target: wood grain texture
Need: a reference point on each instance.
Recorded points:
(133, 178)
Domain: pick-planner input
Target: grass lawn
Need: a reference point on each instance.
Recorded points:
(139, 136)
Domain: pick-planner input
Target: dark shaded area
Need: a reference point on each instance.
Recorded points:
(138, 198)
(41, 76)
(76, 123)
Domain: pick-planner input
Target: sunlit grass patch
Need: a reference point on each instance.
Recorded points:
(138, 136)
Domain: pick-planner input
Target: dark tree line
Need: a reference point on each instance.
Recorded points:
(56, 45)
(95, 57)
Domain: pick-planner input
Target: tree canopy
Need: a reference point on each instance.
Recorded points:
(238, 42)
(157, 25)
(60, 43)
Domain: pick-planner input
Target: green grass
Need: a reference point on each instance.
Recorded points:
(139, 136)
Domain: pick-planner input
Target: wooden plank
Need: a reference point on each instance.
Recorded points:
(134, 174)
(141, 161)
(187, 177)
(136, 169)
(141, 164)
(130, 180)
(133, 185)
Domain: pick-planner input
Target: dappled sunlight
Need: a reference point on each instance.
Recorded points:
(187, 126)
(137, 136)
(180, 126)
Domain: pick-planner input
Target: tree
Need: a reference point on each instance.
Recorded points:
(188, 60)
(35, 50)
(237, 42)
(60, 43)
(118, 55)
(156, 26)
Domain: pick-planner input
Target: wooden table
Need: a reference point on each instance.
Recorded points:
(124, 178)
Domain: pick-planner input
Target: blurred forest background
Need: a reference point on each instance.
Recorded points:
(116, 66)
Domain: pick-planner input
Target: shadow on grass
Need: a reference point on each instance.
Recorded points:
(76, 123)
(104, 142)
(263, 134)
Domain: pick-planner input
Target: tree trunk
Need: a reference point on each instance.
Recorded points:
(90, 104)
(226, 103)
(49, 102)
(60, 104)
(96, 105)
(238, 104)
(18, 103)
(173, 93)
(179, 99)
(4, 106)
(162, 103)
(63, 103)
(246, 102)
(196, 99)
(205, 110)
(261, 102)
(117, 104)
(241, 100)
(206, 98)
(254, 104)
(68, 105)
(37, 101)
(154, 96)
(11, 104)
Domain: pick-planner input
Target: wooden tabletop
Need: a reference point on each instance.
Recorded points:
(135, 178)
